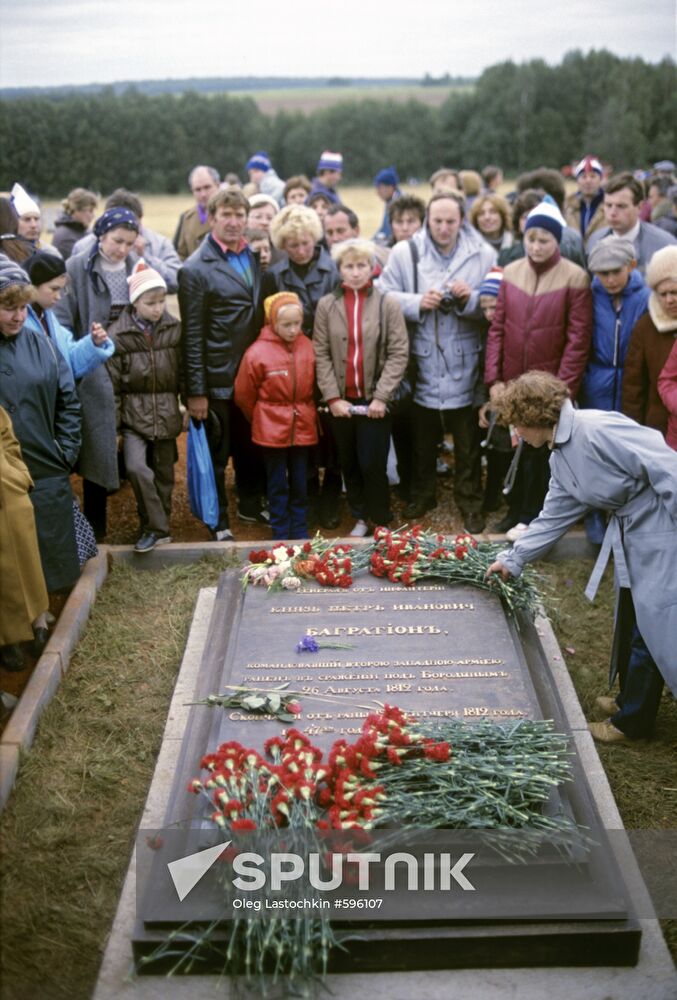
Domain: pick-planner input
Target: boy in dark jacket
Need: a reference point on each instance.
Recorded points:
(274, 389)
(145, 375)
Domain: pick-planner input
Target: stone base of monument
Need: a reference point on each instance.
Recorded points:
(604, 950)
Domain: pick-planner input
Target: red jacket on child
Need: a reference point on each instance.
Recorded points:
(274, 389)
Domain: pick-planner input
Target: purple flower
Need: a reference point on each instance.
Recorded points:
(307, 645)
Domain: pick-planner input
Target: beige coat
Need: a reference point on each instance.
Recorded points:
(23, 595)
(385, 356)
(190, 233)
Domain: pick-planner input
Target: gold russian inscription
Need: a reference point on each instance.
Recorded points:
(388, 629)
(300, 609)
(434, 607)
(353, 690)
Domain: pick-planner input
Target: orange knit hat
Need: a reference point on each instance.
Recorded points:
(273, 304)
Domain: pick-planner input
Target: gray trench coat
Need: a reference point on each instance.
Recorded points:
(606, 461)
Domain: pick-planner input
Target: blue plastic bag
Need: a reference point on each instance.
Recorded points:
(204, 501)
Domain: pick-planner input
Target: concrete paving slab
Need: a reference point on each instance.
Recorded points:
(9, 766)
(35, 697)
(55, 659)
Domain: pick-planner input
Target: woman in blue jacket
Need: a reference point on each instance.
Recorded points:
(619, 298)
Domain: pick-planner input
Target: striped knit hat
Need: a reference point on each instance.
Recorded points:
(142, 279)
(492, 282)
(546, 216)
(330, 161)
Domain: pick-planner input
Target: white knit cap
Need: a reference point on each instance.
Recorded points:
(142, 279)
(22, 202)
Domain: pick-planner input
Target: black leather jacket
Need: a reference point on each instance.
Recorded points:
(220, 317)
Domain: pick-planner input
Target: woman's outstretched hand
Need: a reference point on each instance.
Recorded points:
(498, 567)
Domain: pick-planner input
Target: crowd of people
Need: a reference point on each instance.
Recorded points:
(318, 360)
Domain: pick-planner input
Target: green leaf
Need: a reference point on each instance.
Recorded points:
(253, 702)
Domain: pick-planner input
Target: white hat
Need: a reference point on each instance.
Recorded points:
(22, 202)
(142, 279)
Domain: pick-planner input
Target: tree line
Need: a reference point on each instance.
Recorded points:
(518, 116)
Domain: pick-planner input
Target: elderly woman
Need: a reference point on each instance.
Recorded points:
(74, 222)
(96, 294)
(361, 353)
(651, 342)
(604, 460)
(38, 393)
(490, 215)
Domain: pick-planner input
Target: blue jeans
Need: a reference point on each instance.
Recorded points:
(641, 688)
(286, 470)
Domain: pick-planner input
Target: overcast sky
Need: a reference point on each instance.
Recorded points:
(51, 42)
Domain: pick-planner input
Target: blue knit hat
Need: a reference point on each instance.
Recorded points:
(330, 161)
(492, 282)
(259, 161)
(388, 176)
(546, 216)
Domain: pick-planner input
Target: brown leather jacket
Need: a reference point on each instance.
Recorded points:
(145, 374)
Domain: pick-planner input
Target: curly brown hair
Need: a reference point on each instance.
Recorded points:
(532, 400)
(15, 296)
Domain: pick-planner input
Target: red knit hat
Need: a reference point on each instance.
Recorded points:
(273, 304)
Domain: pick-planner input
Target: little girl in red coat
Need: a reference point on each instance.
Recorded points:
(274, 389)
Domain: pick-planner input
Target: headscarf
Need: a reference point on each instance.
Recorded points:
(273, 304)
(112, 218)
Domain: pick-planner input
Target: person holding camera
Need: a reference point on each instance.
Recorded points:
(435, 277)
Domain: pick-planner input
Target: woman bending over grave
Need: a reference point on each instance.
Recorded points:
(603, 460)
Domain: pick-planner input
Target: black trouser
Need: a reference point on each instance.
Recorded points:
(533, 478)
(464, 427)
(94, 500)
(404, 445)
(363, 444)
(229, 433)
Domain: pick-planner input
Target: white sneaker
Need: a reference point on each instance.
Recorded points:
(360, 530)
(514, 533)
(223, 535)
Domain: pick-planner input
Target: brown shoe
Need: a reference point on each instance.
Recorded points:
(608, 705)
(605, 732)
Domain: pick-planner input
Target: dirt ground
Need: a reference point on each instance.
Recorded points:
(123, 524)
